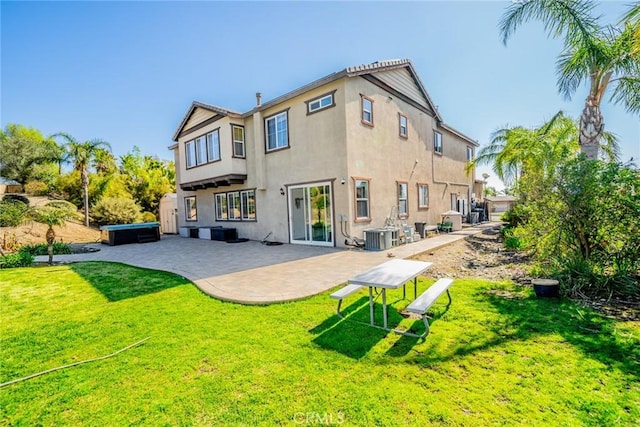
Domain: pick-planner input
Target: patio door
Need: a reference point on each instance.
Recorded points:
(310, 218)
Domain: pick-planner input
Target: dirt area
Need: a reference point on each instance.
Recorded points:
(483, 256)
(480, 256)
(33, 233)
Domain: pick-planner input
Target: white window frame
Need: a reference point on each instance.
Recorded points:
(469, 153)
(201, 150)
(213, 146)
(403, 127)
(437, 142)
(248, 209)
(403, 199)
(221, 207)
(280, 143)
(190, 154)
(233, 204)
(320, 103)
(423, 196)
(238, 142)
(364, 110)
(190, 204)
(365, 199)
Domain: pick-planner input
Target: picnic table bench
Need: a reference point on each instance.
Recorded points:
(426, 300)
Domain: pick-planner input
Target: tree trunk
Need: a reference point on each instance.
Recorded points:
(51, 237)
(85, 195)
(591, 129)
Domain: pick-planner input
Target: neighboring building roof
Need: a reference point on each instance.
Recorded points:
(365, 70)
(501, 198)
(6, 181)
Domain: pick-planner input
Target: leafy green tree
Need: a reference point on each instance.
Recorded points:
(52, 217)
(147, 179)
(82, 153)
(23, 148)
(592, 53)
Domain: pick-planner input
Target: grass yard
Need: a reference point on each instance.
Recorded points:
(498, 355)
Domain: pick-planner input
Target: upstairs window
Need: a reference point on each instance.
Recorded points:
(190, 150)
(320, 103)
(213, 146)
(237, 133)
(203, 149)
(367, 110)
(469, 153)
(277, 131)
(403, 127)
(191, 208)
(362, 199)
(437, 142)
(403, 203)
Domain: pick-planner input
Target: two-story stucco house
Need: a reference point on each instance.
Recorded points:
(330, 159)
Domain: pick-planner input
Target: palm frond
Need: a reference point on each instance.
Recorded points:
(573, 17)
(627, 93)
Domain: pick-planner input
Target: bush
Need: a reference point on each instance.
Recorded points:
(64, 205)
(12, 213)
(115, 210)
(148, 217)
(36, 188)
(41, 249)
(16, 198)
(19, 259)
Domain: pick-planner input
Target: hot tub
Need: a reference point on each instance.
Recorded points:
(121, 234)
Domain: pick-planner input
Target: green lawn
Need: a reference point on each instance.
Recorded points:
(498, 355)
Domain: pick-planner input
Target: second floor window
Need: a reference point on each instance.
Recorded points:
(238, 140)
(276, 131)
(437, 142)
(203, 149)
(469, 153)
(367, 110)
(325, 101)
(404, 130)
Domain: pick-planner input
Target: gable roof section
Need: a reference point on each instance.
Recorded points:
(217, 113)
(396, 76)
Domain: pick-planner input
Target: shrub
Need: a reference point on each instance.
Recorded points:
(12, 213)
(115, 210)
(41, 249)
(148, 217)
(64, 205)
(36, 188)
(19, 259)
(16, 198)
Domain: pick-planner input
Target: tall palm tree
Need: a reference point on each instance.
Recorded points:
(632, 17)
(599, 55)
(81, 154)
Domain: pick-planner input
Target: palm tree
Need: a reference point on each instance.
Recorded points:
(81, 154)
(52, 217)
(601, 56)
(633, 18)
(515, 151)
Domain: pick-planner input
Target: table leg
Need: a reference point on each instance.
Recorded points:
(415, 288)
(371, 305)
(404, 291)
(384, 306)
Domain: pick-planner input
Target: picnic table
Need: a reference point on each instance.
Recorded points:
(389, 275)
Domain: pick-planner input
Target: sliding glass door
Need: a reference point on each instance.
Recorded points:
(310, 219)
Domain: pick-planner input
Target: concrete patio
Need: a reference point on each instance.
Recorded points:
(252, 273)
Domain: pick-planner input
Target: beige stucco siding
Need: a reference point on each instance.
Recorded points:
(402, 80)
(381, 155)
(227, 163)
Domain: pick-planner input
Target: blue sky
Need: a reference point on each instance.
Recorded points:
(126, 72)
